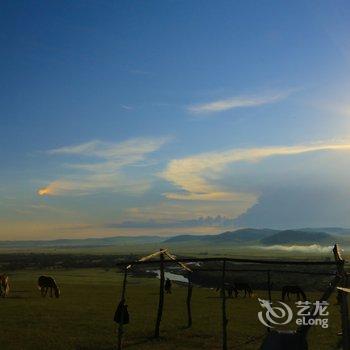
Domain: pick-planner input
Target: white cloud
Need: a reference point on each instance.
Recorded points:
(236, 102)
(104, 169)
(81, 149)
(130, 148)
(198, 177)
(127, 107)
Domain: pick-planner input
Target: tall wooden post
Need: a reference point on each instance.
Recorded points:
(161, 296)
(269, 284)
(269, 289)
(122, 300)
(188, 300)
(224, 318)
(343, 299)
(342, 296)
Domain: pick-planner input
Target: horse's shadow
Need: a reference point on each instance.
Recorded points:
(15, 297)
(14, 294)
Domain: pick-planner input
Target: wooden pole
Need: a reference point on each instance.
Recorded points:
(224, 318)
(344, 319)
(269, 289)
(188, 300)
(122, 300)
(343, 299)
(161, 296)
(269, 284)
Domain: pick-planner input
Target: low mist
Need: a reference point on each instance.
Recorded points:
(312, 248)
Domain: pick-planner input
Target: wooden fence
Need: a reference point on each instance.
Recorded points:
(339, 279)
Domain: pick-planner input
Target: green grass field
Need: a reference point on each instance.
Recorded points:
(82, 318)
(185, 249)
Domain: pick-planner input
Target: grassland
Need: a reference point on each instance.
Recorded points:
(184, 249)
(82, 319)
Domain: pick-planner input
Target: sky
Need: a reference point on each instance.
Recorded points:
(173, 116)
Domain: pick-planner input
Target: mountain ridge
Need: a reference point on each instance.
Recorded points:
(259, 236)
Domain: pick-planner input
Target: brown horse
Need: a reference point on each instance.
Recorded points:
(243, 287)
(46, 282)
(4, 286)
(293, 290)
(236, 287)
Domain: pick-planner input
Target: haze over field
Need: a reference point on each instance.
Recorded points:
(158, 118)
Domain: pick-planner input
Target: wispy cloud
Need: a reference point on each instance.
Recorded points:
(127, 107)
(236, 102)
(198, 177)
(103, 171)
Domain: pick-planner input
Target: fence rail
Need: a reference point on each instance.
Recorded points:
(270, 270)
(236, 260)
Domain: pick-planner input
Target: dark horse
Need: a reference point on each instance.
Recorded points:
(236, 288)
(293, 290)
(228, 288)
(46, 282)
(243, 287)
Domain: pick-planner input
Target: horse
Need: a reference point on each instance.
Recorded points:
(236, 288)
(228, 288)
(243, 287)
(46, 282)
(294, 290)
(4, 286)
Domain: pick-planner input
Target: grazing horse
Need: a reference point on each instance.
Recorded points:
(243, 287)
(4, 286)
(293, 290)
(46, 282)
(228, 288)
(235, 288)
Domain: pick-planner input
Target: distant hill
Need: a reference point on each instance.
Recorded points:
(243, 235)
(238, 236)
(332, 230)
(187, 238)
(246, 236)
(85, 242)
(298, 237)
(257, 236)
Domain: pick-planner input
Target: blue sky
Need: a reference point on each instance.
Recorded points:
(139, 117)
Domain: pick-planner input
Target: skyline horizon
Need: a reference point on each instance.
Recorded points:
(179, 234)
